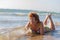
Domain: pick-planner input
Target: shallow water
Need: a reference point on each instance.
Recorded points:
(55, 35)
(16, 35)
(14, 19)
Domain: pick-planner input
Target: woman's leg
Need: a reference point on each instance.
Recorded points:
(45, 21)
(52, 27)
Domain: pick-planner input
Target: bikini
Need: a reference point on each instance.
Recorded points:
(46, 29)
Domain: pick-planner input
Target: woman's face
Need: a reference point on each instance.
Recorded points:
(32, 20)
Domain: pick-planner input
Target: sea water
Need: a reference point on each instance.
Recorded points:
(14, 19)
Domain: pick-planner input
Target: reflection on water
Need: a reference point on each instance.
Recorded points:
(54, 35)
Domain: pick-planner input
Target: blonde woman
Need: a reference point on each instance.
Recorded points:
(38, 26)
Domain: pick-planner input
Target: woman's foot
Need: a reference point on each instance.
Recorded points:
(49, 16)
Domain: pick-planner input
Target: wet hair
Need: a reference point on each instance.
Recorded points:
(34, 14)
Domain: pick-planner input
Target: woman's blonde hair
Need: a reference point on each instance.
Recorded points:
(34, 14)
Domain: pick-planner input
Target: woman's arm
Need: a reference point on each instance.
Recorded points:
(27, 26)
(41, 29)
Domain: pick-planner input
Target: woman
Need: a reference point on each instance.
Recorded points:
(38, 26)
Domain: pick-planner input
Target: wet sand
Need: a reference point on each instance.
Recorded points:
(16, 34)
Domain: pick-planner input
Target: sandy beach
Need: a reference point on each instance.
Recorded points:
(17, 34)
